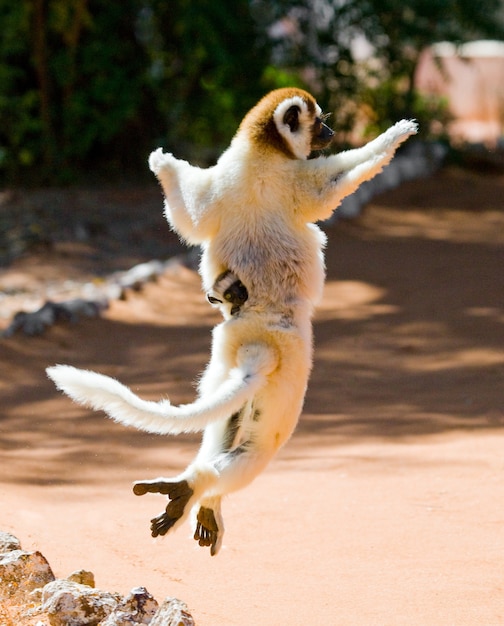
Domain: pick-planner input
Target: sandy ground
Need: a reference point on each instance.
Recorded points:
(386, 507)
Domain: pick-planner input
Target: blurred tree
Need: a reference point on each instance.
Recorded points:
(71, 81)
(400, 32)
(207, 67)
(93, 85)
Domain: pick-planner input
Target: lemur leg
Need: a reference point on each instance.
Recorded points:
(216, 461)
(204, 483)
(236, 468)
(239, 467)
(208, 522)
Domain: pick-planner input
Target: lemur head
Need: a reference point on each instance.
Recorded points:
(287, 120)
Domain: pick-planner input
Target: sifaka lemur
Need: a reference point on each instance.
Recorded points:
(262, 264)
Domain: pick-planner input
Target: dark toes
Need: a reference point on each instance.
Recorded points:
(161, 524)
(203, 536)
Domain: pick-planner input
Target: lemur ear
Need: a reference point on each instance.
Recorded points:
(291, 118)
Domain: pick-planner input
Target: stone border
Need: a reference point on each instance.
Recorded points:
(93, 299)
(30, 595)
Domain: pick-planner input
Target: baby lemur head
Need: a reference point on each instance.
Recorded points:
(228, 289)
(287, 120)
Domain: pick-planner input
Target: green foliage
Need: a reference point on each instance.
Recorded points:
(72, 81)
(93, 85)
(206, 69)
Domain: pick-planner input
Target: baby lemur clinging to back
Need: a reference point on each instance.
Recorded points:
(253, 214)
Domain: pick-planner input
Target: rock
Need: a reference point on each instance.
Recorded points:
(172, 612)
(82, 577)
(21, 572)
(140, 274)
(30, 596)
(37, 322)
(68, 603)
(139, 607)
(8, 542)
(32, 323)
(93, 297)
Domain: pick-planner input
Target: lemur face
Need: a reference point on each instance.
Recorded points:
(288, 121)
(301, 126)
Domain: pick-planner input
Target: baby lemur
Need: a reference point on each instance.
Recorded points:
(262, 264)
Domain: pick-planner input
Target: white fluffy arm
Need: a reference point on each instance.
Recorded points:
(187, 191)
(382, 148)
(337, 176)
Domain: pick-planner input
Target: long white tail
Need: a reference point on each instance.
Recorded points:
(121, 404)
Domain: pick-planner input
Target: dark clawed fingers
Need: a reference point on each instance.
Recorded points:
(161, 524)
(179, 493)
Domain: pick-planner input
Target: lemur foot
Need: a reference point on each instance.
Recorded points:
(207, 530)
(179, 493)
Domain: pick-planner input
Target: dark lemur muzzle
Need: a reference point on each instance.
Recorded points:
(324, 137)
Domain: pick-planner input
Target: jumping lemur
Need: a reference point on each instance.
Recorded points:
(262, 263)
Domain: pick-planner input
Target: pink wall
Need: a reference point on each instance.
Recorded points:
(471, 77)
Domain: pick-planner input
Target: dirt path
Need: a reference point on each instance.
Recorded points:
(386, 507)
